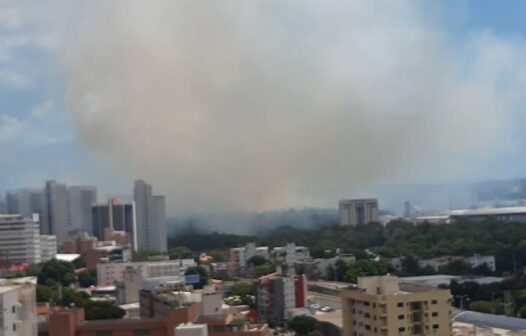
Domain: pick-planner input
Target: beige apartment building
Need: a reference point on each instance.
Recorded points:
(381, 306)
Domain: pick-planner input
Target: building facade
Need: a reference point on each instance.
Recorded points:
(48, 247)
(358, 211)
(151, 218)
(381, 306)
(239, 256)
(277, 293)
(116, 215)
(80, 199)
(18, 310)
(108, 273)
(19, 239)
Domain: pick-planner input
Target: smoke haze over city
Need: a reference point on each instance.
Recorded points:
(257, 105)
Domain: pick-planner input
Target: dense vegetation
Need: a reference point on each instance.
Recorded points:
(54, 280)
(507, 241)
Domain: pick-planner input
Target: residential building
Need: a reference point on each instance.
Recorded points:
(48, 247)
(358, 211)
(478, 260)
(240, 256)
(18, 309)
(161, 313)
(382, 306)
(151, 218)
(80, 199)
(280, 292)
(474, 261)
(19, 239)
(435, 263)
(291, 254)
(108, 273)
(116, 215)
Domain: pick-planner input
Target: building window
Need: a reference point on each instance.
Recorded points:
(435, 326)
(367, 315)
(417, 329)
(367, 327)
(366, 304)
(434, 301)
(400, 317)
(400, 304)
(401, 329)
(434, 314)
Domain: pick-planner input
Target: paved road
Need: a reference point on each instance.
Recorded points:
(325, 300)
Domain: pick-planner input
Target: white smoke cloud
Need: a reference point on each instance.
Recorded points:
(264, 104)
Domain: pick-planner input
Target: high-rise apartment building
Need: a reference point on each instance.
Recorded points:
(80, 199)
(358, 211)
(117, 215)
(382, 306)
(19, 239)
(278, 293)
(55, 219)
(151, 218)
(25, 202)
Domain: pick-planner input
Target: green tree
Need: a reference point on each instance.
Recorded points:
(102, 311)
(303, 325)
(265, 269)
(203, 275)
(242, 288)
(87, 278)
(46, 294)
(181, 252)
(257, 260)
(58, 271)
(483, 307)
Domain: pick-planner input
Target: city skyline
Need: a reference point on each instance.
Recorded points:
(299, 156)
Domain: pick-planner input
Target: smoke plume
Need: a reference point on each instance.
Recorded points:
(267, 104)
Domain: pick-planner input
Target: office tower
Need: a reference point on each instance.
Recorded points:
(381, 306)
(25, 202)
(358, 211)
(20, 239)
(117, 215)
(56, 211)
(80, 199)
(151, 218)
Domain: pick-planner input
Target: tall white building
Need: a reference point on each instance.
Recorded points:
(18, 310)
(358, 211)
(151, 218)
(19, 239)
(80, 199)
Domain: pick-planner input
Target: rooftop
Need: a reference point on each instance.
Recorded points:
(490, 320)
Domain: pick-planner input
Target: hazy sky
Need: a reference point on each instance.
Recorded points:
(260, 104)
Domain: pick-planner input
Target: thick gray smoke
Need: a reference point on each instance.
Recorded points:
(272, 103)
